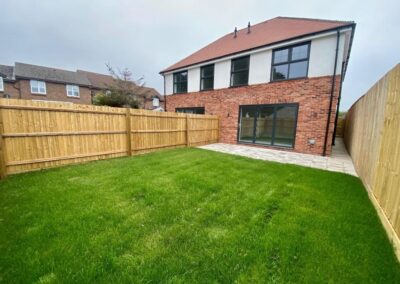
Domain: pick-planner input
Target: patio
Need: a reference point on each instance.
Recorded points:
(339, 161)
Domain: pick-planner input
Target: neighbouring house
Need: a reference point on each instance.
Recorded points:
(273, 84)
(148, 97)
(26, 81)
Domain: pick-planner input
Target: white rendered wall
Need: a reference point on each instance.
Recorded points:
(321, 63)
(260, 67)
(169, 84)
(194, 80)
(222, 74)
(322, 56)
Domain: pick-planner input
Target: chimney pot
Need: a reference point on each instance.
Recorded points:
(235, 33)
(248, 28)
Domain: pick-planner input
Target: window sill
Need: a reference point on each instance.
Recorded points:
(238, 86)
(73, 97)
(291, 79)
(207, 90)
(39, 94)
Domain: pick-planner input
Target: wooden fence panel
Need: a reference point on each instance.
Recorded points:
(37, 135)
(341, 123)
(156, 130)
(372, 137)
(202, 129)
(386, 185)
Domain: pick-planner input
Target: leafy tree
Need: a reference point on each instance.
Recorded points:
(123, 92)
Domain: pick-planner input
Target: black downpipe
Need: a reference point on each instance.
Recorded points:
(332, 91)
(338, 105)
(344, 67)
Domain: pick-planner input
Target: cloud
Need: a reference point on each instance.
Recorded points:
(148, 35)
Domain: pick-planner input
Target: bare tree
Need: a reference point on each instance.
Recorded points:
(124, 91)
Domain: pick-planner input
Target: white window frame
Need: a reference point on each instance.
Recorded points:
(38, 83)
(72, 91)
(156, 99)
(1, 84)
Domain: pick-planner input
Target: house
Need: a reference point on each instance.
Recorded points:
(274, 84)
(26, 81)
(148, 97)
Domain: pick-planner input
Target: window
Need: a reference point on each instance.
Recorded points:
(273, 125)
(156, 102)
(290, 62)
(1, 84)
(194, 110)
(240, 71)
(73, 91)
(38, 87)
(180, 82)
(207, 77)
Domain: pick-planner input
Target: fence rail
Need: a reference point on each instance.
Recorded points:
(36, 135)
(372, 137)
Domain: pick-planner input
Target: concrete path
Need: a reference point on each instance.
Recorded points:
(339, 161)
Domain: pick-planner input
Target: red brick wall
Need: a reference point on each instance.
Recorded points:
(311, 94)
(54, 92)
(10, 89)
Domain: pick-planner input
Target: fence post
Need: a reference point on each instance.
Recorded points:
(128, 132)
(218, 129)
(3, 169)
(187, 131)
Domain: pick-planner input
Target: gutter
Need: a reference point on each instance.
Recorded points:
(332, 92)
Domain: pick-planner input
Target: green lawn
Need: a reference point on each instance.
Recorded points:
(190, 215)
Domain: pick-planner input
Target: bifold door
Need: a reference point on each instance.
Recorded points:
(273, 125)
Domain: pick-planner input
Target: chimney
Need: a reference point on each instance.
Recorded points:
(248, 28)
(235, 33)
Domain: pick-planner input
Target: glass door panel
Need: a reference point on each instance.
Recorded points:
(285, 126)
(264, 125)
(247, 117)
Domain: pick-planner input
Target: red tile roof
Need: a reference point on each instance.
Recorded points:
(269, 32)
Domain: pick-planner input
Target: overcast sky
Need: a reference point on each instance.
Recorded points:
(147, 36)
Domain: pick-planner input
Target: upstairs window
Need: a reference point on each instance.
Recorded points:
(38, 87)
(240, 71)
(180, 82)
(207, 77)
(290, 62)
(73, 91)
(1, 84)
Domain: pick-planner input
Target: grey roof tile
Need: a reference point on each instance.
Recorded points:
(6, 71)
(29, 71)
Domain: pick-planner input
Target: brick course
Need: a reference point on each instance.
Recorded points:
(11, 89)
(312, 95)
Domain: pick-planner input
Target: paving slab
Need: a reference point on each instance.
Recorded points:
(339, 161)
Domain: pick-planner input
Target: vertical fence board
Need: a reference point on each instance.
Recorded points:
(36, 135)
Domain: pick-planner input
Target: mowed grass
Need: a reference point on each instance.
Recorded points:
(187, 216)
